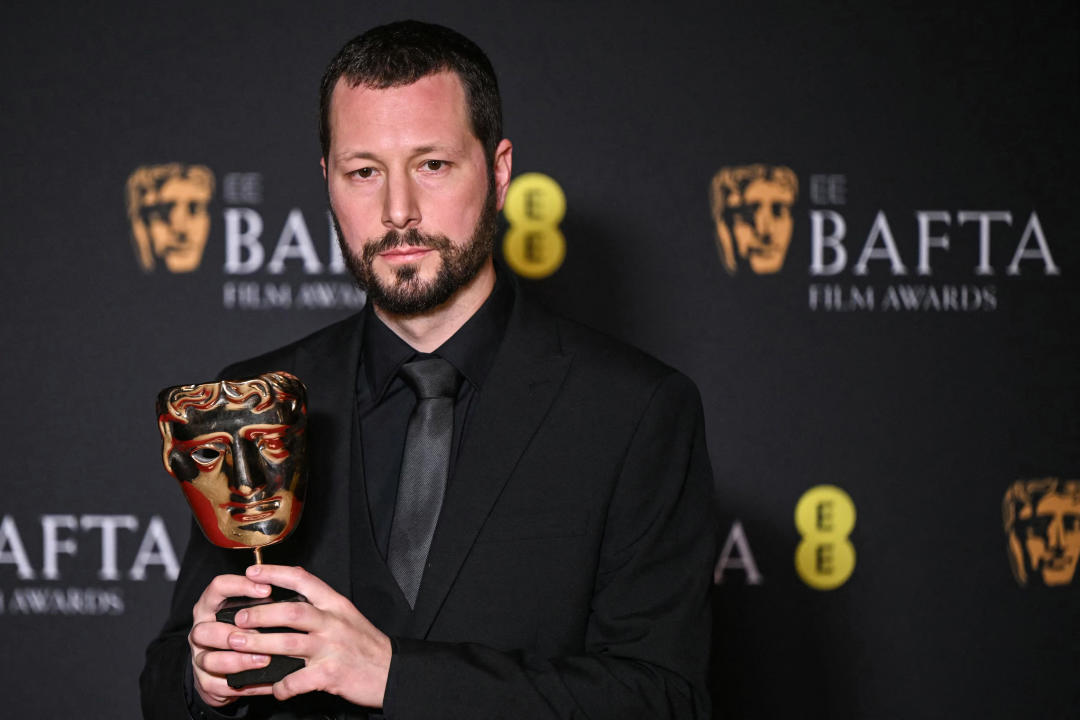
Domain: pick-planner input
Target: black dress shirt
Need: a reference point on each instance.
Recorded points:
(384, 401)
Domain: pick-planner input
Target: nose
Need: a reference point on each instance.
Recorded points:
(246, 478)
(400, 208)
(180, 219)
(763, 222)
(1055, 534)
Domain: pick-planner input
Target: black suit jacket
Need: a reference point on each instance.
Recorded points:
(569, 573)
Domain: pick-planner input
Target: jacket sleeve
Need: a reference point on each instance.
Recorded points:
(165, 694)
(648, 633)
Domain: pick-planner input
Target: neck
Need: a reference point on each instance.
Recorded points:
(428, 330)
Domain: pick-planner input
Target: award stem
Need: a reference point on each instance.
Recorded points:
(258, 555)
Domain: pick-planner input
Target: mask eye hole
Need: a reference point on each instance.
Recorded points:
(205, 455)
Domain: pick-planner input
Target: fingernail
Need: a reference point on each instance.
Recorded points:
(262, 589)
(254, 570)
(237, 640)
(242, 616)
(260, 660)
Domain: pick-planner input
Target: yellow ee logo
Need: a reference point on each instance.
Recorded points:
(825, 516)
(534, 247)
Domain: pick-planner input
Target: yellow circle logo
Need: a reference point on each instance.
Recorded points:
(534, 247)
(824, 517)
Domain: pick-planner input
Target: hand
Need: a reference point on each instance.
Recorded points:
(211, 657)
(345, 654)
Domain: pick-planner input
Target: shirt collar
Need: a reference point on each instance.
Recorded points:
(471, 350)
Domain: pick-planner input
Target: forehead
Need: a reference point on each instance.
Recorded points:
(1054, 504)
(759, 190)
(430, 110)
(178, 187)
(231, 420)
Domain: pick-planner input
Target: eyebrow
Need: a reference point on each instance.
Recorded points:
(250, 432)
(198, 440)
(419, 150)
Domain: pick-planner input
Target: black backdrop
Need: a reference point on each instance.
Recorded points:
(924, 412)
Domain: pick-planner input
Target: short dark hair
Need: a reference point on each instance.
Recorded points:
(403, 52)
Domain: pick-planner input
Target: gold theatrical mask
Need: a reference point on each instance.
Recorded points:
(167, 207)
(751, 206)
(1042, 522)
(238, 449)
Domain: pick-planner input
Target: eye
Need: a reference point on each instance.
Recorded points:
(744, 213)
(272, 447)
(434, 165)
(363, 173)
(205, 455)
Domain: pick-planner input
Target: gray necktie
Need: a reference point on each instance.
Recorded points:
(424, 468)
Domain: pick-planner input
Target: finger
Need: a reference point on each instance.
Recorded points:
(225, 662)
(294, 578)
(294, 644)
(298, 682)
(209, 692)
(296, 615)
(216, 691)
(225, 586)
(210, 635)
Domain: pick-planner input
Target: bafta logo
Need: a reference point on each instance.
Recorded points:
(1042, 523)
(166, 205)
(751, 206)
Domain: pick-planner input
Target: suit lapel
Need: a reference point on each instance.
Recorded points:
(523, 382)
(328, 368)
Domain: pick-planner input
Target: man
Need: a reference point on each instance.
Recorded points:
(561, 567)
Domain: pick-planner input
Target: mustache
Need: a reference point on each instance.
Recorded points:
(411, 238)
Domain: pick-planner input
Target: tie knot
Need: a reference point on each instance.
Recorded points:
(431, 378)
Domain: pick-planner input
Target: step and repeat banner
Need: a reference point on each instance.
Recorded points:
(854, 226)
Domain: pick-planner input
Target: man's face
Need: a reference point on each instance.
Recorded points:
(410, 190)
(761, 223)
(242, 472)
(1051, 537)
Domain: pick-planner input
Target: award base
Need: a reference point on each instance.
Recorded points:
(280, 665)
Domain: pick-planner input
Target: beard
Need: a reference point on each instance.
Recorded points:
(407, 294)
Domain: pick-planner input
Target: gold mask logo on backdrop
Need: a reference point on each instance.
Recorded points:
(751, 206)
(1042, 524)
(167, 207)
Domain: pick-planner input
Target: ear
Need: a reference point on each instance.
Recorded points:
(322, 164)
(504, 155)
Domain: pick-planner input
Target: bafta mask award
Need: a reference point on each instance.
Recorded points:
(238, 449)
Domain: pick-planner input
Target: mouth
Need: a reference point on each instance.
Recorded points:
(253, 511)
(405, 254)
